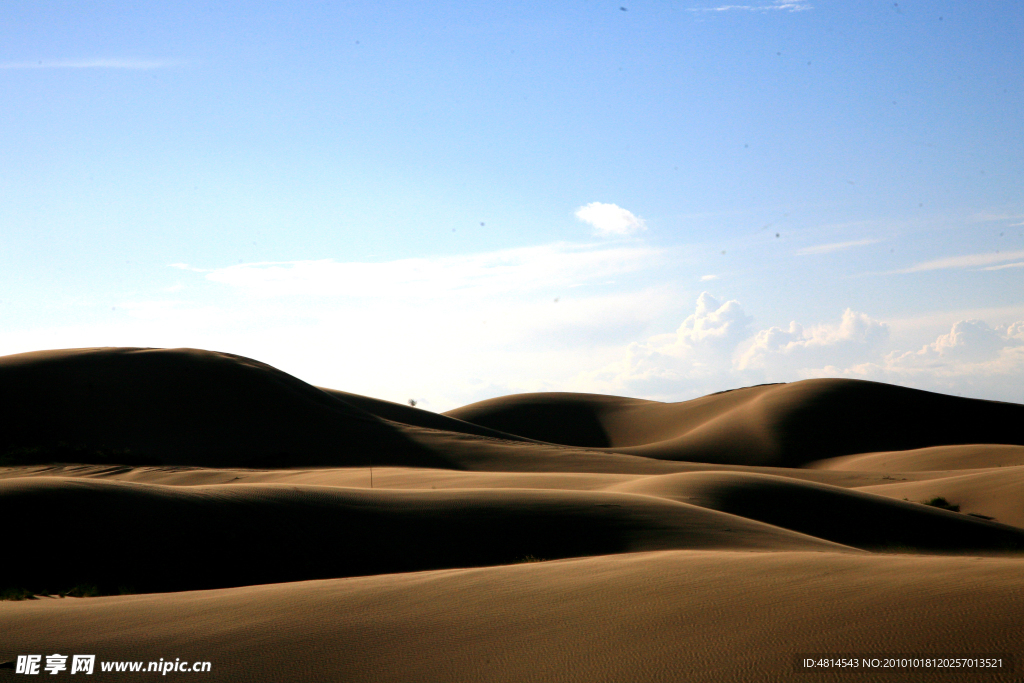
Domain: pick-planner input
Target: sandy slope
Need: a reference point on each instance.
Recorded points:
(996, 493)
(180, 538)
(936, 458)
(852, 517)
(710, 616)
(712, 539)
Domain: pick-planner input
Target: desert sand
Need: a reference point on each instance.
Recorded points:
(212, 508)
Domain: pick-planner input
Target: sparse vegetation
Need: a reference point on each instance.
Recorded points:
(530, 558)
(17, 594)
(81, 590)
(63, 452)
(941, 503)
(896, 548)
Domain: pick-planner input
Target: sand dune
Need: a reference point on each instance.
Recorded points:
(706, 616)
(415, 417)
(180, 538)
(185, 406)
(780, 424)
(996, 493)
(533, 472)
(856, 518)
(291, 533)
(936, 458)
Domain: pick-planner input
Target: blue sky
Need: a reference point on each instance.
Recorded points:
(453, 201)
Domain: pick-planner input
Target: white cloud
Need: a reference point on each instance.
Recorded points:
(479, 333)
(446, 329)
(972, 359)
(1019, 264)
(967, 261)
(713, 350)
(509, 271)
(985, 217)
(610, 219)
(136, 64)
(969, 341)
(778, 5)
(669, 366)
(713, 324)
(836, 246)
(795, 350)
(705, 278)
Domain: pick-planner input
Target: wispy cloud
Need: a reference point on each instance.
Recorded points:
(505, 272)
(986, 217)
(1019, 264)
(705, 278)
(835, 246)
(775, 6)
(131, 64)
(967, 261)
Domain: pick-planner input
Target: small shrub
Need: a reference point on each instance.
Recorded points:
(895, 547)
(63, 452)
(942, 503)
(16, 594)
(82, 590)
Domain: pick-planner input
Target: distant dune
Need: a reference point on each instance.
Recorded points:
(785, 425)
(287, 532)
(187, 407)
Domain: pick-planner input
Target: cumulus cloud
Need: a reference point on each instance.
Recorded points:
(715, 349)
(697, 354)
(797, 349)
(609, 219)
(713, 324)
(972, 359)
(968, 342)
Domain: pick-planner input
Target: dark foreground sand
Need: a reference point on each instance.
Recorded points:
(538, 537)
